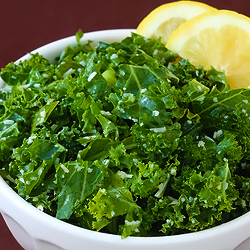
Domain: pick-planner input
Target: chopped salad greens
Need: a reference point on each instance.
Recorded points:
(126, 138)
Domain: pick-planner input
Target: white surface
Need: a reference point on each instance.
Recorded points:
(35, 230)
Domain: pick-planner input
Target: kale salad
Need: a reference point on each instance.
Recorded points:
(126, 138)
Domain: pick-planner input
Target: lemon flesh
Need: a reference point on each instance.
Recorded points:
(220, 39)
(163, 20)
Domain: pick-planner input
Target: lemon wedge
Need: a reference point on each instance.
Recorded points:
(220, 39)
(163, 20)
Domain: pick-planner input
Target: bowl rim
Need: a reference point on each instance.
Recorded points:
(7, 193)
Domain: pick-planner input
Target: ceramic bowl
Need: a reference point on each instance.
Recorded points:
(35, 230)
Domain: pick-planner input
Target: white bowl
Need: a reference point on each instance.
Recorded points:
(34, 229)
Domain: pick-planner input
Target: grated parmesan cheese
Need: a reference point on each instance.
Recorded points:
(8, 122)
(91, 76)
(155, 113)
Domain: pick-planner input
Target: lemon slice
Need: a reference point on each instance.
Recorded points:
(220, 39)
(168, 17)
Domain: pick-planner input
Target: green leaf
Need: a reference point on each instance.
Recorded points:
(140, 100)
(43, 114)
(220, 110)
(34, 161)
(79, 35)
(116, 200)
(76, 181)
